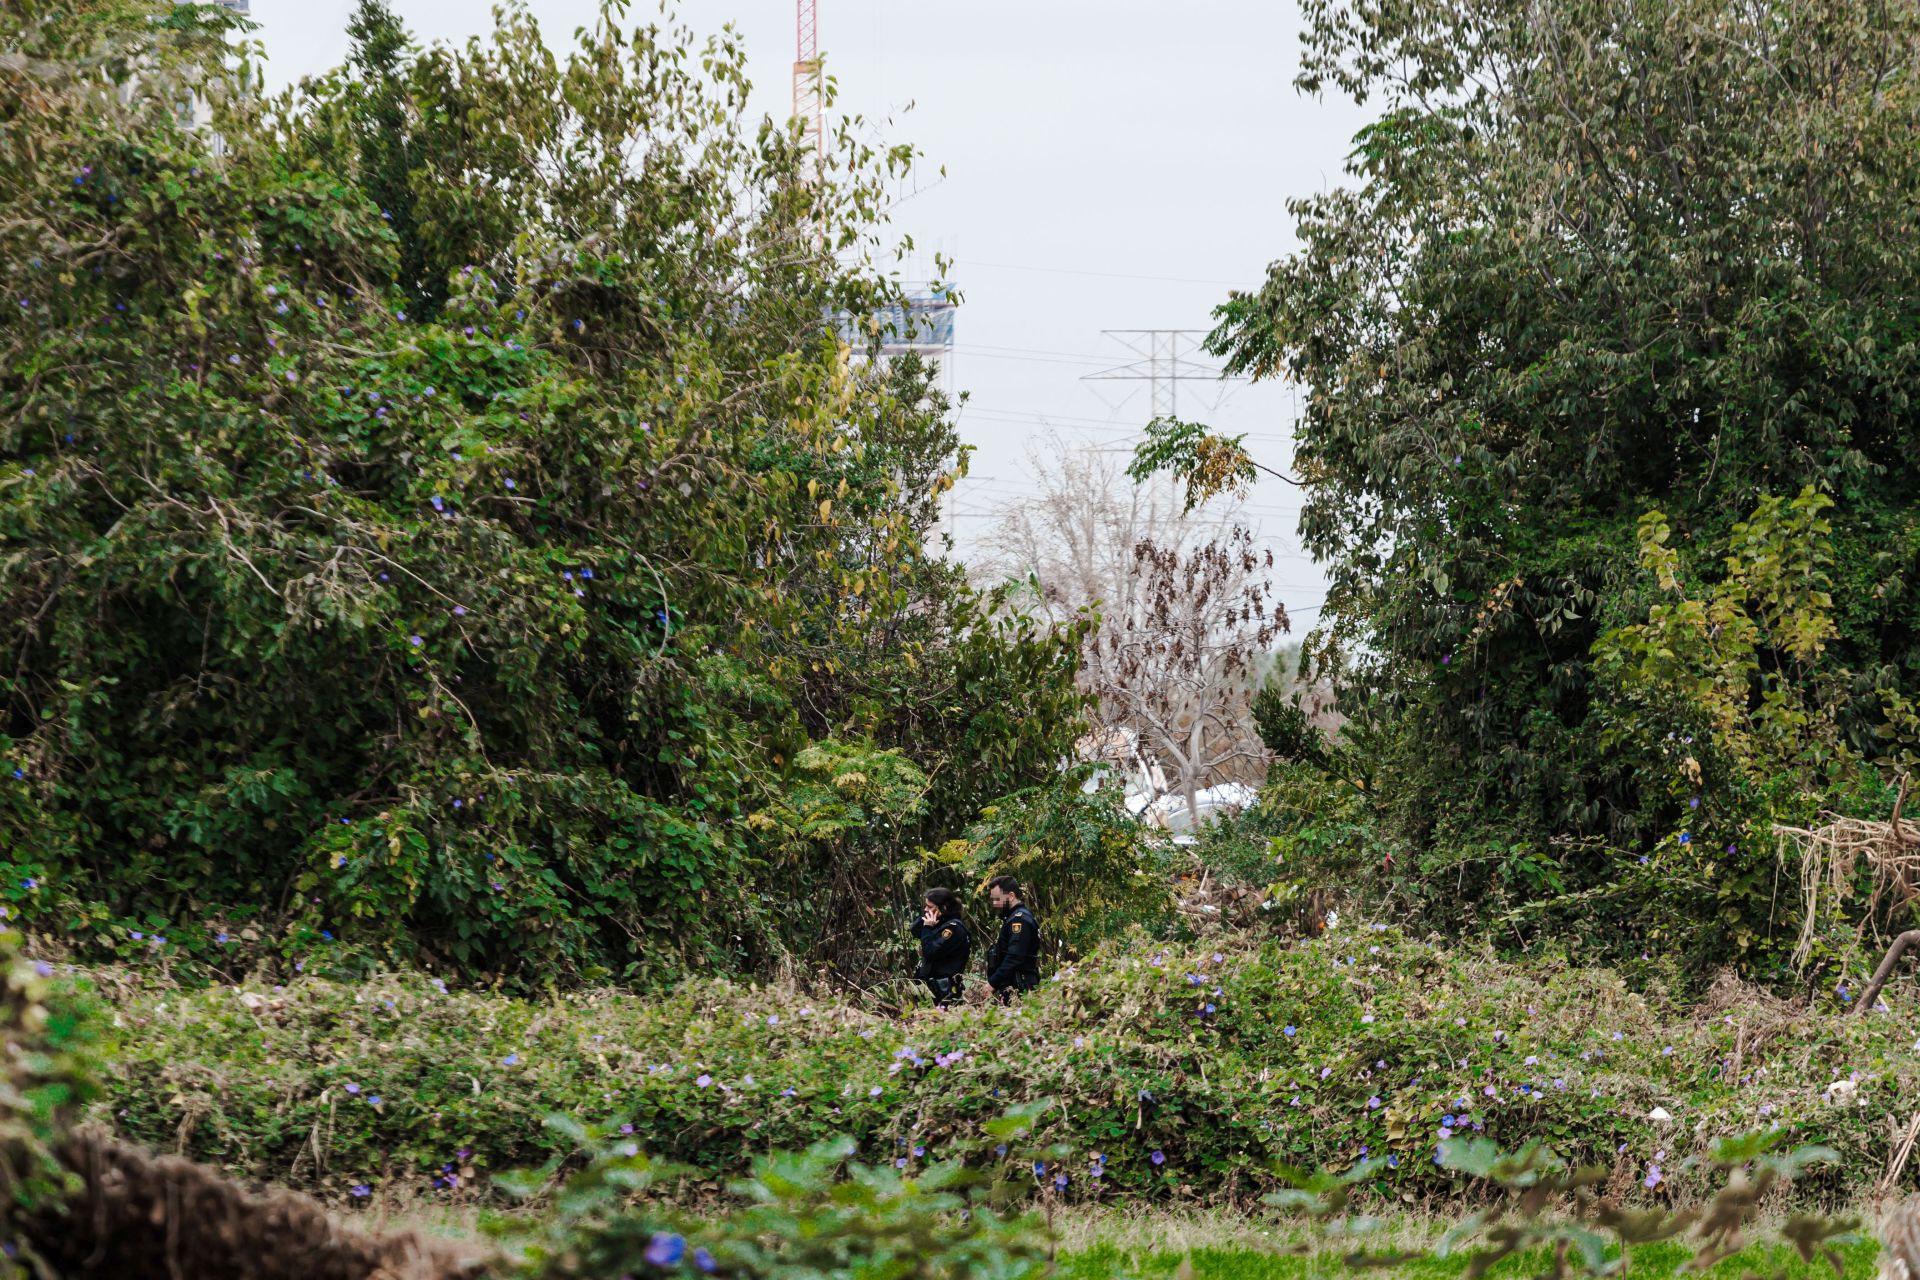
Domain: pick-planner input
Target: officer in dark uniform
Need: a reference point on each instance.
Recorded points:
(945, 946)
(1013, 962)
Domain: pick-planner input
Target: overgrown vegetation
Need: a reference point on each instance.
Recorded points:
(472, 598)
(1605, 278)
(1181, 1074)
(441, 515)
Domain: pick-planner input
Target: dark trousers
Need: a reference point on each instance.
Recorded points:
(946, 991)
(1013, 991)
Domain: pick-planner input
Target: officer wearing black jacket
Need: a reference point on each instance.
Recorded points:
(1013, 962)
(945, 946)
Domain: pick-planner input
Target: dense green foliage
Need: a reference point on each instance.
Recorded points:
(1222, 1057)
(1087, 868)
(453, 521)
(796, 1216)
(53, 1034)
(1599, 260)
(440, 520)
(1653, 1262)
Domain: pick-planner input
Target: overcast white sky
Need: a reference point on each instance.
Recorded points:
(1110, 164)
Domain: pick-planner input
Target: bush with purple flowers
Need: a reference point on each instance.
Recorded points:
(816, 1214)
(458, 562)
(1180, 1107)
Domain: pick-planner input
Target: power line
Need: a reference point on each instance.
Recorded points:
(1163, 362)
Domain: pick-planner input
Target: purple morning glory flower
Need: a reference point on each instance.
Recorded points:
(438, 503)
(665, 1249)
(1685, 838)
(511, 1060)
(352, 1087)
(704, 1260)
(511, 484)
(1158, 1157)
(703, 1081)
(415, 641)
(362, 1191)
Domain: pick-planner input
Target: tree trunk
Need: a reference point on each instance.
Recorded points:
(1190, 777)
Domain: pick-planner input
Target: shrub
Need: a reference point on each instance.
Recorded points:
(1087, 867)
(460, 587)
(1360, 1043)
(796, 1216)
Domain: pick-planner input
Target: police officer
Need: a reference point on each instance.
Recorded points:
(1013, 962)
(945, 946)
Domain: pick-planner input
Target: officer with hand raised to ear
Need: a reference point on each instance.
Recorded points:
(945, 946)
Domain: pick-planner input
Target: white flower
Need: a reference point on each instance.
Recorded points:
(1659, 1115)
(1333, 919)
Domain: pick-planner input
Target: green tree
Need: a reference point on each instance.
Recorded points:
(473, 635)
(1595, 259)
(375, 115)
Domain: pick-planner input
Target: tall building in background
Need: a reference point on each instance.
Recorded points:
(924, 326)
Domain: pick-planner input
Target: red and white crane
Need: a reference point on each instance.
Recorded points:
(809, 92)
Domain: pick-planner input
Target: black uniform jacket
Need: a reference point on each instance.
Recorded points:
(944, 948)
(1014, 959)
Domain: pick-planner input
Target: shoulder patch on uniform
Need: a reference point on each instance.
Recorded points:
(946, 933)
(1016, 926)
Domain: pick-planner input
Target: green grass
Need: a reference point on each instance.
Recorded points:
(1648, 1262)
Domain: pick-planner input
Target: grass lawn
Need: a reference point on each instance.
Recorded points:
(1101, 1262)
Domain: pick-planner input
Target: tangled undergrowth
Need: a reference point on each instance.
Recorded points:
(1183, 1076)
